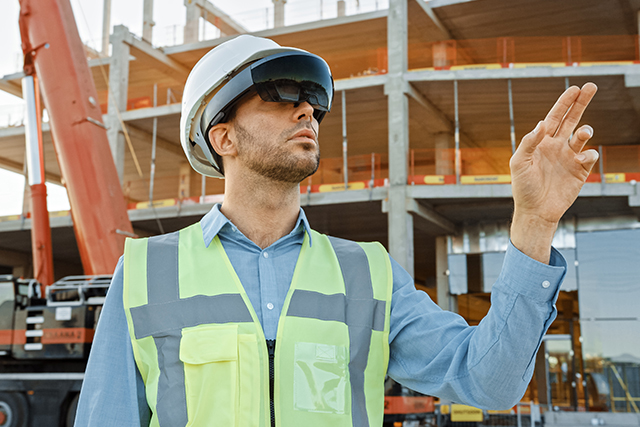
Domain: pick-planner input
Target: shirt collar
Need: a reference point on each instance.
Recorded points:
(214, 220)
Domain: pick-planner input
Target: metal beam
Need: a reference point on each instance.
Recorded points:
(434, 18)
(291, 29)
(149, 113)
(522, 73)
(155, 58)
(218, 18)
(360, 82)
(482, 191)
(441, 3)
(11, 87)
(162, 143)
(431, 216)
(429, 106)
(18, 168)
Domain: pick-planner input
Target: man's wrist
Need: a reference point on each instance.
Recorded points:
(533, 235)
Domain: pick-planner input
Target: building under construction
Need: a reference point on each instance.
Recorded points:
(432, 98)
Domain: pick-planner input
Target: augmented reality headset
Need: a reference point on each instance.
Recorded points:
(282, 77)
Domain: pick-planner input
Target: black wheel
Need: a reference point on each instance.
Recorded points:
(13, 410)
(71, 412)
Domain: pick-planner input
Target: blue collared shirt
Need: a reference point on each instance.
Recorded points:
(432, 351)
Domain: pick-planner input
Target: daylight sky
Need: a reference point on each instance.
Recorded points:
(169, 16)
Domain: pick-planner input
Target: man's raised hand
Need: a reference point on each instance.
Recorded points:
(548, 170)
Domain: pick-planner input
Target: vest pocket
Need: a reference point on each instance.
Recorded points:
(210, 357)
(319, 378)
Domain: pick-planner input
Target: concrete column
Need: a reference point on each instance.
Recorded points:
(118, 82)
(444, 154)
(147, 21)
(342, 8)
(193, 22)
(106, 26)
(446, 301)
(400, 222)
(278, 13)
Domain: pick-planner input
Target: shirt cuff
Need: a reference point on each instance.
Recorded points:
(531, 278)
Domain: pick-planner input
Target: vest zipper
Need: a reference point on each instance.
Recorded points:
(271, 347)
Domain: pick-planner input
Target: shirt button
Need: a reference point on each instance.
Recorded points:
(234, 229)
(270, 306)
(546, 284)
(265, 254)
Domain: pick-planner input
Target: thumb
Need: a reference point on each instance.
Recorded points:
(587, 159)
(532, 139)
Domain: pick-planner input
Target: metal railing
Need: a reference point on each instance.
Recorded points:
(78, 290)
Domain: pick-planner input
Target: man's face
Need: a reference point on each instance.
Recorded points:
(277, 140)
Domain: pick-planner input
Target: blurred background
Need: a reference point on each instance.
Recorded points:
(432, 98)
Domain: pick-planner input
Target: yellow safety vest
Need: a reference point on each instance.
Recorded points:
(201, 350)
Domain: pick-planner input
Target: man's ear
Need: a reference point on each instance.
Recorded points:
(221, 141)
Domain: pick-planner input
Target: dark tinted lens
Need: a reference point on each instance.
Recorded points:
(294, 78)
(288, 90)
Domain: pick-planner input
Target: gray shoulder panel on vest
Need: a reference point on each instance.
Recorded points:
(162, 268)
(360, 311)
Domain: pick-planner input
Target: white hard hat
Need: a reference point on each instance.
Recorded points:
(226, 73)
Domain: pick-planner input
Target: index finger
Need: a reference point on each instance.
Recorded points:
(574, 115)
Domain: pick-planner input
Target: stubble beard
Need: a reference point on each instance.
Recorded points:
(274, 163)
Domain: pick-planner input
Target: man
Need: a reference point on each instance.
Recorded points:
(250, 318)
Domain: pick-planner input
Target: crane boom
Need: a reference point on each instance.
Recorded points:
(97, 203)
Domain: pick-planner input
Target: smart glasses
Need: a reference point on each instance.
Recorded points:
(283, 77)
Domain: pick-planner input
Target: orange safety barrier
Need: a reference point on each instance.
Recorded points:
(132, 104)
(509, 51)
(427, 166)
(408, 404)
(363, 168)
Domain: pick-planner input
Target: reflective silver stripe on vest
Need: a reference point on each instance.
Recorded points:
(166, 314)
(316, 305)
(358, 309)
(360, 313)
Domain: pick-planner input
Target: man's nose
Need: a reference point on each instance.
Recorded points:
(303, 110)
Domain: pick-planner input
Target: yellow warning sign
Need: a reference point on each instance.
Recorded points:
(591, 64)
(476, 67)
(485, 179)
(540, 65)
(156, 204)
(464, 413)
(434, 179)
(611, 178)
(326, 188)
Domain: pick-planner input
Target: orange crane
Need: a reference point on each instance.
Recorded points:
(54, 52)
(46, 328)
